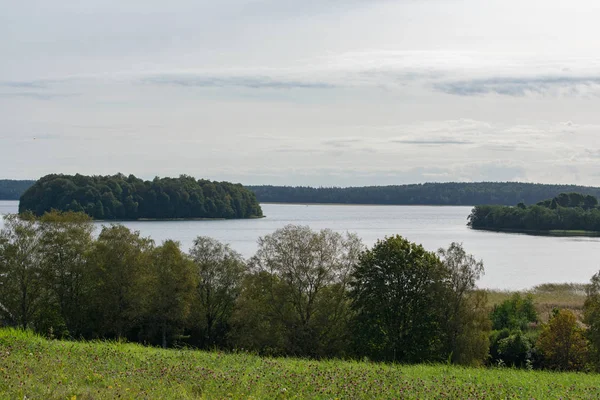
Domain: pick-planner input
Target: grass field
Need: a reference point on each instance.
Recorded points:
(36, 368)
(547, 296)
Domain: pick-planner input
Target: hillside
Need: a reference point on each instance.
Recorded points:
(454, 193)
(32, 367)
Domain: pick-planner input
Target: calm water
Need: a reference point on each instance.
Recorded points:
(512, 261)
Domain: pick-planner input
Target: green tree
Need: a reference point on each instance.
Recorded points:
(398, 292)
(121, 260)
(467, 322)
(314, 268)
(562, 343)
(21, 289)
(514, 313)
(171, 287)
(219, 272)
(591, 317)
(65, 244)
(260, 315)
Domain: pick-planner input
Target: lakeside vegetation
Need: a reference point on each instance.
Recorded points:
(453, 193)
(568, 214)
(119, 197)
(13, 189)
(34, 367)
(314, 294)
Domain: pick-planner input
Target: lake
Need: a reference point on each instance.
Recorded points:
(512, 261)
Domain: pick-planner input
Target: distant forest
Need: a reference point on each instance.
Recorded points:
(12, 190)
(455, 194)
(459, 194)
(128, 197)
(565, 212)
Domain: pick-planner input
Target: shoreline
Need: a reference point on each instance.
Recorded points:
(364, 204)
(534, 232)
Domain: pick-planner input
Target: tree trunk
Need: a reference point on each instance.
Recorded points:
(164, 335)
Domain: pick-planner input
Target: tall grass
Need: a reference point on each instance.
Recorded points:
(36, 368)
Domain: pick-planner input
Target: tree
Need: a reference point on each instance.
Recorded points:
(314, 269)
(591, 317)
(20, 281)
(121, 260)
(171, 284)
(398, 292)
(515, 313)
(260, 315)
(467, 322)
(562, 343)
(219, 272)
(65, 243)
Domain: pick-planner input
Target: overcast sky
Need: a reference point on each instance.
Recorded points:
(311, 92)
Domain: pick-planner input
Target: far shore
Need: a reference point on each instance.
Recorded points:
(365, 204)
(554, 232)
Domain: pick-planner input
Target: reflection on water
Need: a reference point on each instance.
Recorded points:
(512, 261)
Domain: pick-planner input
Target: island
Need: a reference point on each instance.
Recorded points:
(568, 214)
(120, 197)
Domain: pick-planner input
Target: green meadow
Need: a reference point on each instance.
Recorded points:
(35, 368)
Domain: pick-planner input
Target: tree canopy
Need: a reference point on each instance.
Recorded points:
(120, 197)
(567, 211)
(452, 193)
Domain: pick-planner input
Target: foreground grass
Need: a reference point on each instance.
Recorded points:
(35, 368)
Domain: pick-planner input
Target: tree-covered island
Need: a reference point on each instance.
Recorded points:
(566, 214)
(120, 197)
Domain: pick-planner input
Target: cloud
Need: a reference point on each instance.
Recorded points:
(433, 142)
(38, 95)
(251, 82)
(521, 86)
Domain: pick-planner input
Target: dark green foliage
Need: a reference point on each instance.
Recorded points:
(453, 193)
(12, 189)
(120, 197)
(566, 212)
(515, 313)
(591, 317)
(398, 292)
(219, 272)
(511, 348)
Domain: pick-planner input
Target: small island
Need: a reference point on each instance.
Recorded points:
(568, 214)
(120, 197)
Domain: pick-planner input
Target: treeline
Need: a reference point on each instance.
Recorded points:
(128, 198)
(13, 189)
(304, 293)
(456, 194)
(567, 211)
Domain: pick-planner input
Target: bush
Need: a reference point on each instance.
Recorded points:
(515, 313)
(563, 344)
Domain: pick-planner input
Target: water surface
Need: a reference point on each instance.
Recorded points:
(512, 261)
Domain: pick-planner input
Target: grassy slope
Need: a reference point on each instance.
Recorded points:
(37, 368)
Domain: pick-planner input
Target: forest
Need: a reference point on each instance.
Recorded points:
(119, 197)
(13, 189)
(455, 194)
(305, 293)
(565, 212)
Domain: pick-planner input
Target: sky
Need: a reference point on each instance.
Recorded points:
(312, 92)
